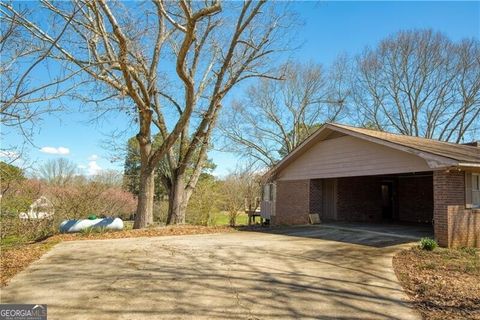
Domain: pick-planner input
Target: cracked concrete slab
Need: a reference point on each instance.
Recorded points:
(241, 275)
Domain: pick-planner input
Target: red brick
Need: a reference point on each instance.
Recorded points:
(292, 203)
(448, 190)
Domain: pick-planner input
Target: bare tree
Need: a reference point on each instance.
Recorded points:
(238, 49)
(25, 93)
(276, 116)
(205, 51)
(420, 83)
(10, 175)
(241, 191)
(233, 191)
(60, 171)
(110, 178)
(112, 53)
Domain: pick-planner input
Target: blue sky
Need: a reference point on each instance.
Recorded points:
(330, 28)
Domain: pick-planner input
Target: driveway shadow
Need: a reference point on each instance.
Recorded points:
(373, 235)
(243, 275)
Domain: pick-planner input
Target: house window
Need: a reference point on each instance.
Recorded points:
(273, 191)
(475, 182)
(476, 190)
(269, 191)
(266, 192)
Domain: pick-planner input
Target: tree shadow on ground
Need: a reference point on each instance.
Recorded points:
(230, 276)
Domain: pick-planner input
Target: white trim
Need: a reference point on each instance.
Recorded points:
(475, 191)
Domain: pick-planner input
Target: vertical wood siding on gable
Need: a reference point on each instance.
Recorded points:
(349, 156)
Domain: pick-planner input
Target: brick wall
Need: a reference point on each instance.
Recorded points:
(448, 190)
(315, 200)
(292, 202)
(415, 199)
(463, 227)
(359, 199)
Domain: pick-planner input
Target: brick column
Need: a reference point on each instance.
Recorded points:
(292, 202)
(448, 190)
(315, 199)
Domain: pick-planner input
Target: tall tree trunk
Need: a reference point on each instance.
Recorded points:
(178, 201)
(144, 216)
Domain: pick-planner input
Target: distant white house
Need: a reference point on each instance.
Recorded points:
(40, 209)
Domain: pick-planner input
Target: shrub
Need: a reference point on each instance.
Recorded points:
(79, 200)
(203, 203)
(20, 196)
(160, 212)
(76, 200)
(115, 202)
(428, 244)
(469, 250)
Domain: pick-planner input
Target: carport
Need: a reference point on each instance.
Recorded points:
(353, 174)
(399, 198)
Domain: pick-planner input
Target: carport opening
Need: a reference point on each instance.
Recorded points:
(405, 198)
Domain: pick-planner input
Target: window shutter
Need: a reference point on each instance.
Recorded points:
(468, 190)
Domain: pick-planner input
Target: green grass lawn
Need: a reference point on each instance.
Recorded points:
(12, 241)
(222, 219)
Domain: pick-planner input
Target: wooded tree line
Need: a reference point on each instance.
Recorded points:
(417, 83)
(420, 83)
(170, 65)
(69, 195)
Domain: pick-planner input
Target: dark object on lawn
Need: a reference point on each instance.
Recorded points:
(428, 244)
(92, 217)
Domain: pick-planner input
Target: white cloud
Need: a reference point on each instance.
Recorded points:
(53, 150)
(93, 168)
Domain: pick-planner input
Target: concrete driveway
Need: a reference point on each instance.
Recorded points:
(297, 273)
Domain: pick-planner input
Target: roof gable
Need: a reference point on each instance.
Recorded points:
(437, 154)
(350, 156)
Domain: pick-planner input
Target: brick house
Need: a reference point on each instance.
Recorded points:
(345, 173)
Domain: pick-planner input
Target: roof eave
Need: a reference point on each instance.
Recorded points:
(468, 165)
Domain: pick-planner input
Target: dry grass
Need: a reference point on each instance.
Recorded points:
(444, 283)
(135, 233)
(15, 257)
